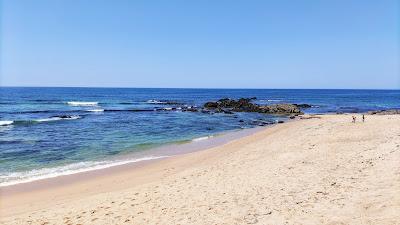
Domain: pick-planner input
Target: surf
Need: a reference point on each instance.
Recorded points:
(8, 179)
(83, 103)
(6, 122)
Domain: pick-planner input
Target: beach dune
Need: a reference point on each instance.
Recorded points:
(316, 170)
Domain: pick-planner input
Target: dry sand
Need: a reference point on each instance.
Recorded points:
(324, 170)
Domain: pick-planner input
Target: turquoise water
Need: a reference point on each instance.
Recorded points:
(46, 132)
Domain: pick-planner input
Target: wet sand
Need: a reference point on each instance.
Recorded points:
(323, 170)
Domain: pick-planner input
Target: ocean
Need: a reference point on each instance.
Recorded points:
(48, 132)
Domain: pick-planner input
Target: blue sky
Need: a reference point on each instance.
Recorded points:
(210, 44)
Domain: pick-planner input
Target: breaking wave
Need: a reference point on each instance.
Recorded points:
(56, 118)
(152, 101)
(82, 103)
(6, 122)
(7, 179)
(202, 138)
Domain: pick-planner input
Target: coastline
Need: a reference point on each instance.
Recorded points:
(129, 160)
(281, 166)
(71, 185)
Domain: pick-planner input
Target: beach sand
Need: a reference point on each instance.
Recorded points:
(322, 170)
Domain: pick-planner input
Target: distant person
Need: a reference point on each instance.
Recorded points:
(363, 118)
(354, 119)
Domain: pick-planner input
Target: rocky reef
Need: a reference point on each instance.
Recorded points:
(228, 105)
(385, 112)
(303, 106)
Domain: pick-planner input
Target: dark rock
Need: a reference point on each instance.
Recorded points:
(280, 121)
(385, 112)
(263, 123)
(218, 110)
(245, 105)
(62, 117)
(189, 109)
(241, 105)
(207, 112)
(304, 106)
(211, 105)
(192, 110)
(292, 117)
(280, 109)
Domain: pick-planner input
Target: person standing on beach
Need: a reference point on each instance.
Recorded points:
(363, 118)
(354, 119)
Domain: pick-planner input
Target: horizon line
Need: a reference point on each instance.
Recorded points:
(230, 88)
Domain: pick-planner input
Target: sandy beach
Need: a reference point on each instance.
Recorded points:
(316, 170)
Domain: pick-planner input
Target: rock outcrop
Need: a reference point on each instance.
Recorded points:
(385, 112)
(304, 106)
(280, 109)
(227, 104)
(245, 105)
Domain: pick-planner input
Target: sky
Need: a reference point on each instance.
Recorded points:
(201, 44)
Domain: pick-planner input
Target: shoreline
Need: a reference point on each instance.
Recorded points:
(140, 157)
(78, 184)
(321, 170)
(131, 161)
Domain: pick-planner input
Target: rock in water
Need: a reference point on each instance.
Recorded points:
(245, 105)
(304, 106)
(385, 112)
(280, 109)
(211, 105)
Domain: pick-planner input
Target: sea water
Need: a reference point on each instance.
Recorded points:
(48, 132)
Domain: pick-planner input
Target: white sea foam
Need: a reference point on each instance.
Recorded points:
(39, 174)
(168, 108)
(202, 138)
(56, 118)
(82, 103)
(152, 101)
(95, 110)
(270, 100)
(6, 122)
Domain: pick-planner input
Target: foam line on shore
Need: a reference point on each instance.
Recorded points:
(44, 173)
(202, 138)
(165, 151)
